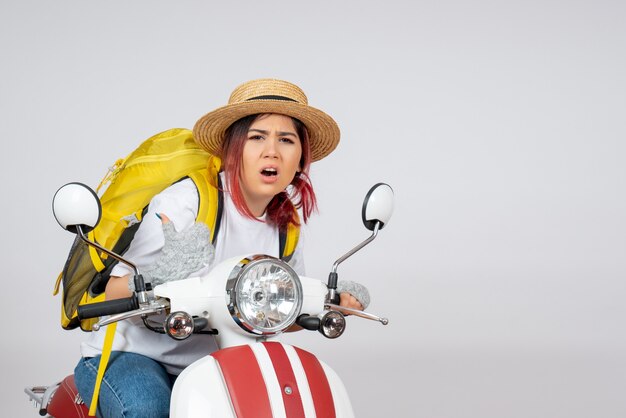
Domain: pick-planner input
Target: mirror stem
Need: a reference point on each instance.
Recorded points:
(140, 286)
(333, 276)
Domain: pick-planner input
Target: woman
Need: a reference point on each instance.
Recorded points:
(267, 137)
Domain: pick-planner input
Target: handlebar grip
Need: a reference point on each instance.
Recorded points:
(109, 307)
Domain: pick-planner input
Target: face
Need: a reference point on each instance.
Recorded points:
(271, 158)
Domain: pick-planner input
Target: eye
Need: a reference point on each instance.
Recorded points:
(287, 140)
(255, 137)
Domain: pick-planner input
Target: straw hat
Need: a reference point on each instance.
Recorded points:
(268, 96)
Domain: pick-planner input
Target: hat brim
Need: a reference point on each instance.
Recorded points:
(323, 130)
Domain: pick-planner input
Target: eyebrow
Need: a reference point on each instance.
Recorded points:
(267, 132)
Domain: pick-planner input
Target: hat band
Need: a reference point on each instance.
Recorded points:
(271, 97)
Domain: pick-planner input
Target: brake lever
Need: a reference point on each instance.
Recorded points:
(156, 306)
(357, 312)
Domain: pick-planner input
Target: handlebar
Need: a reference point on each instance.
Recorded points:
(109, 307)
(335, 299)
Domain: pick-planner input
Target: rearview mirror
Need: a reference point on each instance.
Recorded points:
(76, 204)
(377, 206)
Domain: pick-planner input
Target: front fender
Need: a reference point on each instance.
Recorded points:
(259, 380)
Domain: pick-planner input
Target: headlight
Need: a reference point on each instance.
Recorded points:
(264, 295)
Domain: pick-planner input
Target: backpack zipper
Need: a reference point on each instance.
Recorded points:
(165, 157)
(120, 164)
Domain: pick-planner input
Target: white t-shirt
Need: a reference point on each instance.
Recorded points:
(237, 235)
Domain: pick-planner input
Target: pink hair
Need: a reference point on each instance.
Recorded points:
(281, 211)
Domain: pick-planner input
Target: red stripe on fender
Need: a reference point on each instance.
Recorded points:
(320, 389)
(284, 373)
(245, 382)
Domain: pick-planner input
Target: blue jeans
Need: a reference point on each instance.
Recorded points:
(133, 386)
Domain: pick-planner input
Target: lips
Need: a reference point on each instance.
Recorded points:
(269, 172)
(269, 175)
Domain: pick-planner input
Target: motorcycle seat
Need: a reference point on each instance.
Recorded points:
(66, 402)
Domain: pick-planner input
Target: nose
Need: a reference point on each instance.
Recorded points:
(271, 150)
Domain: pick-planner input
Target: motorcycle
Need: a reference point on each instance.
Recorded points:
(246, 302)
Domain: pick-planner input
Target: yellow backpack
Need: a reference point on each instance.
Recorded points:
(157, 163)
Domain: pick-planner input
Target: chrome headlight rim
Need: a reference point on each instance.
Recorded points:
(239, 272)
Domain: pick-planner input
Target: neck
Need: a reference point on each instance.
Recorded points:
(256, 206)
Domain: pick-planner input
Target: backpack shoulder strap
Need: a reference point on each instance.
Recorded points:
(288, 241)
(211, 200)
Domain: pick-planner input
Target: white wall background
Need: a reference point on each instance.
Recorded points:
(500, 126)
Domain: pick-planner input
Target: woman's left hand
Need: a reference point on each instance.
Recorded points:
(348, 301)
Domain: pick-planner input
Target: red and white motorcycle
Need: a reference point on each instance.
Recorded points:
(246, 302)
